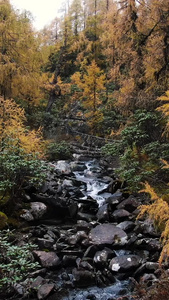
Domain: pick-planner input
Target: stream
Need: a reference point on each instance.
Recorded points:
(89, 241)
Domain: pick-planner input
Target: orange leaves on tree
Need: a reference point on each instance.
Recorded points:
(158, 211)
(13, 132)
(92, 86)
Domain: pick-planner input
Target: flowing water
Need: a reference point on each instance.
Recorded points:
(94, 184)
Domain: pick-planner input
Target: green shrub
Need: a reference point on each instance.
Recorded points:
(18, 169)
(60, 150)
(111, 149)
(140, 150)
(15, 262)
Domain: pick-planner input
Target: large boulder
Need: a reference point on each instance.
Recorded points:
(36, 211)
(62, 167)
(125, 263)
(107, 234)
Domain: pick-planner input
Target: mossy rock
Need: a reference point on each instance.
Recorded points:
(13, 222)
(3, 220)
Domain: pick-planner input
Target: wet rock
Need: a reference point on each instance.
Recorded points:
(129, 204)
(125, 263)
(88, 206)
(76, 166)
(101, 257)
(83, 278)
(69, 260)
(78, 237)
(115, 199)
(85, 217)
(47, 259)
(126, 225)
(37, 282)
(84, 264)
(132, 239)
(103, 213)
(107, 234)
(38, 231)
(146, 267)
(26, 215)
(74, 252)
(45, 290)
(120, 215)
(147, 228)
(45, 244)
(115, 185)
(51, 235)
(36, 211)
(60, 208)
(91, 250)
(62, 167)
(151, 244)
(83, 226)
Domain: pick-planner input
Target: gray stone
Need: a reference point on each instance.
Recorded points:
(130, 204)
(151, 244)
(62, 167)
(126, 225)
(101, 257)
(83, 226)
(45, 290)
(37, 282)
(115, 198)
(47, 259)
(107, 234)
(38, 209)
(83, 278)
(146, 227)
(125, 263)
(120, 215)
(146, 267)
(26, 215)
(103, 213)
(78, 237)
(45, 243)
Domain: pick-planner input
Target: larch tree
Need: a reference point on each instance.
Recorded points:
(76, 14)
(20, 56)
(92, 86)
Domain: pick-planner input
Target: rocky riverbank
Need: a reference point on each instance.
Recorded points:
(90, 245)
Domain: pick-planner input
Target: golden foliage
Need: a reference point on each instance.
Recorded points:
(158, 211)
(92, 84)
(20, 57)
(165, 109)
(14, 133)
(149, 190)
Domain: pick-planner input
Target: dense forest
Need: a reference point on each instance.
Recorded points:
(102, 69)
